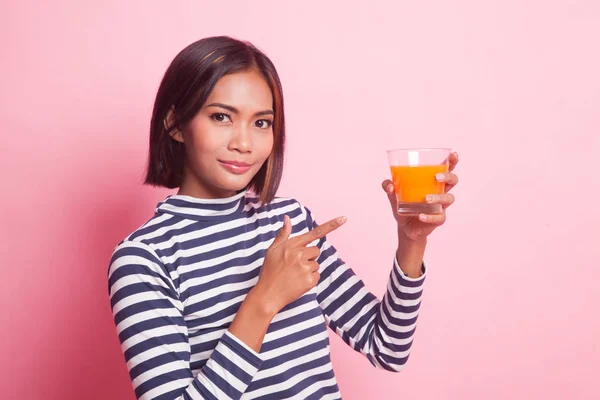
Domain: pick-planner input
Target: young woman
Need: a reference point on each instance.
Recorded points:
(227, 291)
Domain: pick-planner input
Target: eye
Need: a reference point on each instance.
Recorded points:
(220, 117)
(264, 123)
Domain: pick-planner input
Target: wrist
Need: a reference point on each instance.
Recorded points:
(410, 255)
(261, 303)
(406, 240)
(412, 245)
(252, 321)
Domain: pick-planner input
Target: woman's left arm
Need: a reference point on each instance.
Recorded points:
(382, 330)
(413, 231)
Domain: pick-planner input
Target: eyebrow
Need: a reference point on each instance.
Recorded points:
(236, 111)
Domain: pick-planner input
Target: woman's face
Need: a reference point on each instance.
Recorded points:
(230, 138)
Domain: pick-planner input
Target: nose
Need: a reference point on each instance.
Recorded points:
(241, 141)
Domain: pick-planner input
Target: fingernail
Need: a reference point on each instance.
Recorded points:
(341, 220)
(429, 199)
(423, 217)
(440, 177)
(390, 188)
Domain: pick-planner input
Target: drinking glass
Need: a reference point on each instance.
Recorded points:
(414, 177)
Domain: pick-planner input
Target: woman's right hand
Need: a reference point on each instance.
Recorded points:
(290, 268)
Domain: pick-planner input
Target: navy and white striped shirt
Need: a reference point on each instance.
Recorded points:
(176, 283)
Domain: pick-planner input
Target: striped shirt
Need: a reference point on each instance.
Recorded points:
(176, 283)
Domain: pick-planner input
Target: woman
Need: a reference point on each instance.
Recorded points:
(227, 290)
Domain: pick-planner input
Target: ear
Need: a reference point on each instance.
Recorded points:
(169, 121)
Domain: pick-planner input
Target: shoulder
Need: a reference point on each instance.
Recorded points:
(156, 230)
(134, 248)
(131, 252)
(138, 247)
(153, 228)
(298, 213)
(280, 205)
(134, 262)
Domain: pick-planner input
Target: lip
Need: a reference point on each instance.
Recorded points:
(236, 167)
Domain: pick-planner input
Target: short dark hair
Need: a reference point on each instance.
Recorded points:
(185, 87)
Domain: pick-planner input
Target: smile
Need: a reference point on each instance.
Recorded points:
(235, 166)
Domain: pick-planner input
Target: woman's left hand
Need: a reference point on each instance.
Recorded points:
(417, 228)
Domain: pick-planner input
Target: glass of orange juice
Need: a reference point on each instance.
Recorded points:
(413, 174)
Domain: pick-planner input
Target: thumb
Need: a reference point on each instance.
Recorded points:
(284, 232)
(388, 188)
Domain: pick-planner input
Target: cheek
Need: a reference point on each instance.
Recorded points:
(203, 140)
(265, 146)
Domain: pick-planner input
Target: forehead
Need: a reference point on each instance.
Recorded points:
(243, 90)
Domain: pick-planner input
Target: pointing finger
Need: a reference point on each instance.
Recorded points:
(318, 232)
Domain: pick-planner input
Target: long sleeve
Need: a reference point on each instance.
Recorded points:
(381, 330)
(154, 339)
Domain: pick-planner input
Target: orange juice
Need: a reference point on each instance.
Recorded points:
(413, 183)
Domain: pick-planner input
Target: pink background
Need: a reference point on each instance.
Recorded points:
(510, 308)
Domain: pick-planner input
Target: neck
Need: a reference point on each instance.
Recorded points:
(196, 188)
(204, 209)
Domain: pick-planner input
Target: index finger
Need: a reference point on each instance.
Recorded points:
(453, 161)
(318, 232)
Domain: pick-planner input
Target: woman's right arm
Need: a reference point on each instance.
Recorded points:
(154, 338)
(153, 334)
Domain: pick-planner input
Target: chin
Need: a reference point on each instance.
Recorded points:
(234, 185)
